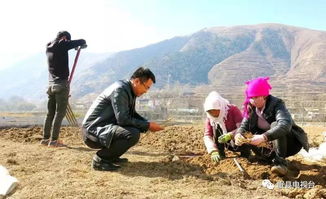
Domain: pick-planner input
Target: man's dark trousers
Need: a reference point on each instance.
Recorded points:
(123, 139)
(58, 94)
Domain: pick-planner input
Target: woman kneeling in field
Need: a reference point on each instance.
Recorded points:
(267, 118)
(222, 121)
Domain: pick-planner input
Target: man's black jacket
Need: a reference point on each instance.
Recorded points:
(115, 105)
(57, 55)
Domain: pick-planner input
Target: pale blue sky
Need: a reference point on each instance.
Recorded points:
(191, 15)
(115, 25)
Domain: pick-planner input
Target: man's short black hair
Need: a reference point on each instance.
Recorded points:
(143, 74)
(63, 33)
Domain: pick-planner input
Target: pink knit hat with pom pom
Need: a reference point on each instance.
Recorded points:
(255, 88)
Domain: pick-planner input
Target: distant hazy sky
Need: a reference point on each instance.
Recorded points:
(115, 25)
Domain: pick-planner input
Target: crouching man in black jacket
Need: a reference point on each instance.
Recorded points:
(112, 124)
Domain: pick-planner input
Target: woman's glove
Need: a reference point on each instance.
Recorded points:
(225, 138)
(216, 157)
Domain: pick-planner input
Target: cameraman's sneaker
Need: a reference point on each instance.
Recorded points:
(45, 142)
(56, 143)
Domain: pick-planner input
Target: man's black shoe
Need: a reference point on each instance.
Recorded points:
(105, 166)
(120, 160)
(100, 164)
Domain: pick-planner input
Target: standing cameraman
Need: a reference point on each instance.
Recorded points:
(58, 89)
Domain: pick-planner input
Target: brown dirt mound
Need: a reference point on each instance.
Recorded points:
(176, 139)
(178, 153)
(34, 134)
(186, 143)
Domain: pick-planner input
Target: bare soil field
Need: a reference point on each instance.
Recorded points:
(169, 164)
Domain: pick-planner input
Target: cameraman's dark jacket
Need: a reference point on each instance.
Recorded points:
(57, 54)
(114, 107)
(275, 111)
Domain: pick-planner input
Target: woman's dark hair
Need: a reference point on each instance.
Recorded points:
(143, 74)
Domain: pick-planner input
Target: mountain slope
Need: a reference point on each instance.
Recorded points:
(122, 64)
(282, 52)
(221, 56)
